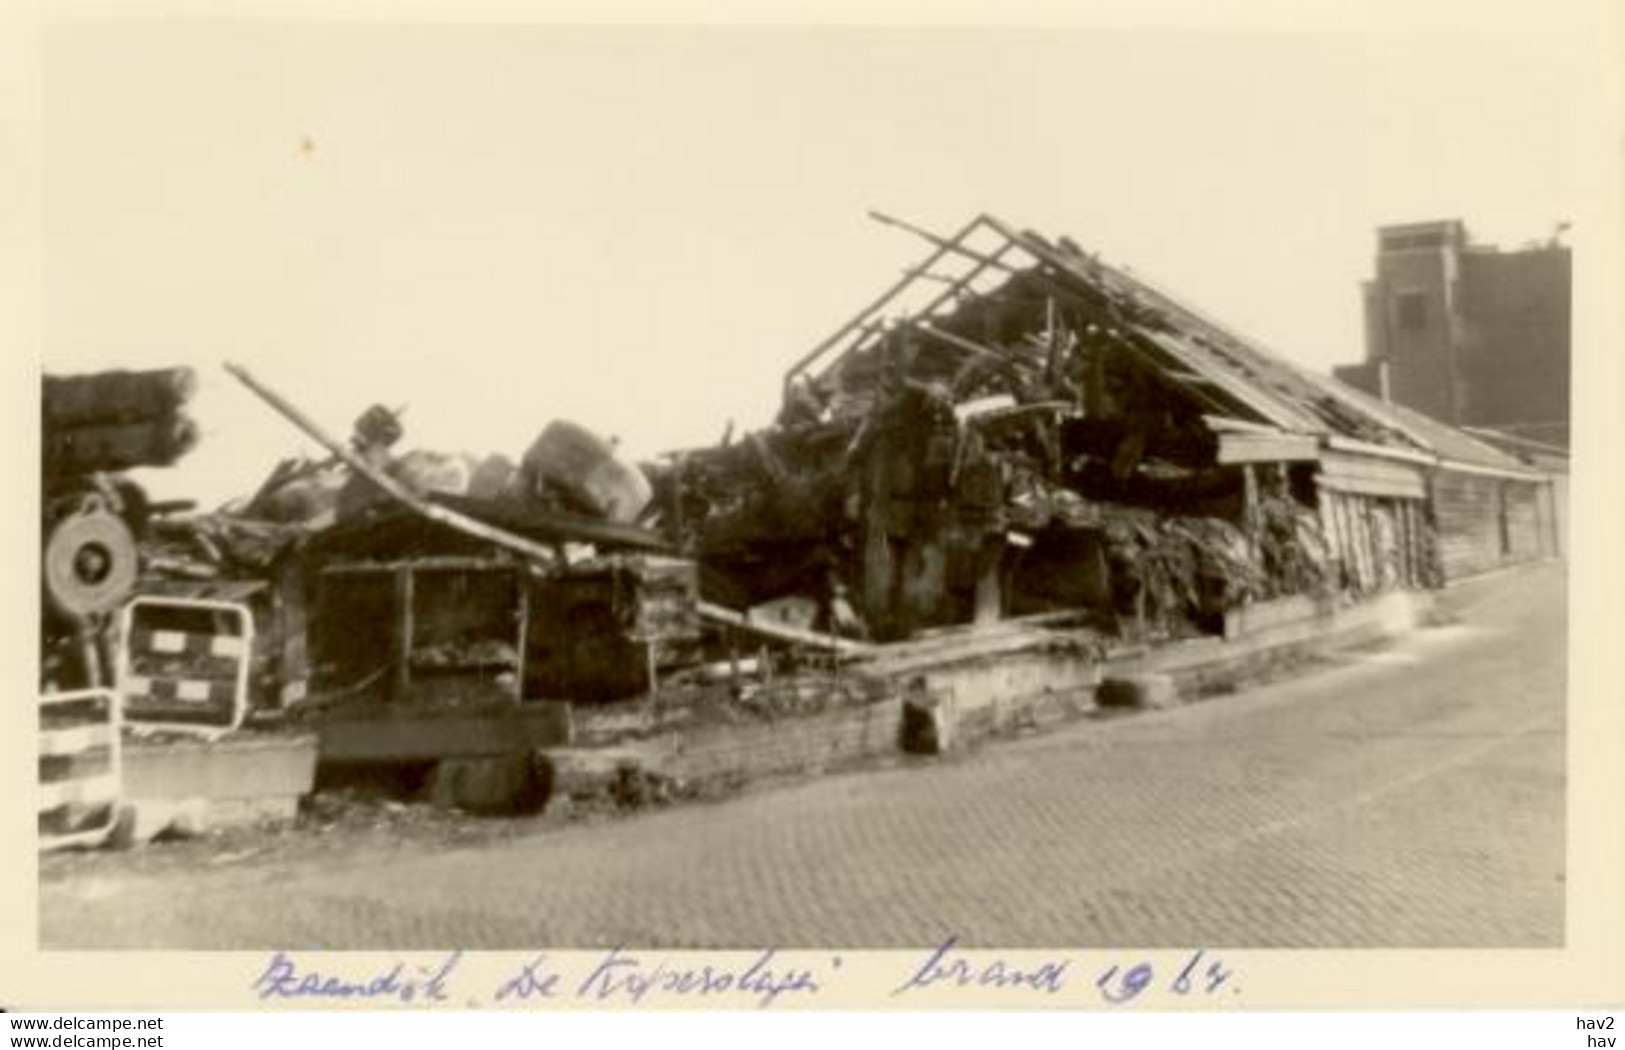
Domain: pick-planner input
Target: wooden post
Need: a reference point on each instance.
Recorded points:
(1373, 550)
(989, 603)
(1052, 340)
(522, 575)
(1095, 388)
(650, 666)
(1411, 543)
(1250, 511)
(401, 680)
(677, 470)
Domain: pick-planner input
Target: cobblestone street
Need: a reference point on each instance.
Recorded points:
(1411, 796)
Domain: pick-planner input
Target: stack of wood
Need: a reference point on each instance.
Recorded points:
(112, 421)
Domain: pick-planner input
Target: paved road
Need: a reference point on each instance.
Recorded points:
(1407, 797)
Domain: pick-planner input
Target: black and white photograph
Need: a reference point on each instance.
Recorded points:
(791, 489)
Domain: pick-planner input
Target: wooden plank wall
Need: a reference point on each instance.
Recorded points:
(1377, 539)
(1556, 516)
(1486, 522)
(1523, 518)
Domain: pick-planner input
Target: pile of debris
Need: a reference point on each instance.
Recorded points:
(1020, 449)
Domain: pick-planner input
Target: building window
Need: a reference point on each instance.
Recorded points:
(1411, 311)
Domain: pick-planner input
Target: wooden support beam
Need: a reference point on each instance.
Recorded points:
(976, 271)
(863, 330)
(1094, 392)
(522, 627)
(945, 244)
(1267, 448)
(405, 627)
(806, 360)
(959, 342)
(1253, 518)
(781, 633)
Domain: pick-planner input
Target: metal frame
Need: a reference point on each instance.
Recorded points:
(245, 659)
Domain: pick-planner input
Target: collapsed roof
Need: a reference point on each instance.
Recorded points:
(962, 330)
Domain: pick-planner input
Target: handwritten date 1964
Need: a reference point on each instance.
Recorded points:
(1196, 974)
(1118, 985)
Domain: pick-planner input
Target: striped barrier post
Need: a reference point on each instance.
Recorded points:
(184, 663)
(80, 767)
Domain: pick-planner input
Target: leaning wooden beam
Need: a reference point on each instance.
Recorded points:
(954, 285)
(781, 633)
(972, 274)
(959, 342)
(441, 515)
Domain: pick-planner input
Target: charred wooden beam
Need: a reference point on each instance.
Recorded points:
(780, 633)
(806, 360)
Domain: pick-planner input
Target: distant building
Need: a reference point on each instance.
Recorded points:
(1467, 333)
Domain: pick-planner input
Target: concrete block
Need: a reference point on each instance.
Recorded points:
(927, 723)
(246, 767)
(187, 787)
(1139, 691)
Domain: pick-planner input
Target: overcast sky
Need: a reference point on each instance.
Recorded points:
(640, 228)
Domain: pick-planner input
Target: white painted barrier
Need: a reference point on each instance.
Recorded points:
(80, 767)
